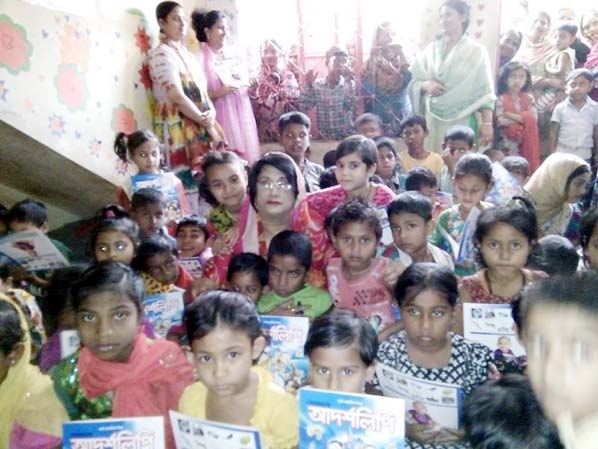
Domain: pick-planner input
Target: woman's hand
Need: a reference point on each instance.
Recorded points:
(223, 91)
(206, 121)
(486, 134)
(433, 88)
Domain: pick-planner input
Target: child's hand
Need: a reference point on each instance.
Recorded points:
(392, 273)
(449, 160)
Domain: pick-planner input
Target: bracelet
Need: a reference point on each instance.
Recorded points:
(486, 123)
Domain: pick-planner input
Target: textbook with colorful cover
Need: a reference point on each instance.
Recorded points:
(69, 342)
(330, 419)
(432, 409)
(33, 250)
(166, 183)
(192, 265)
(283, 355)
(195, 433)
(164, 310)
(146, 433)
(492, 325)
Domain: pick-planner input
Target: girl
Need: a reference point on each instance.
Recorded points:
(226, 339)
(31, 416)
(559, 183)
(589, 238)
(559, 321)
(355, 163)
(504, 238)
(119, 372)
(341, 348)
(426, 349)
(388, 166)
(516, 114)
(116, 240)
(454, 228)
(142, 149)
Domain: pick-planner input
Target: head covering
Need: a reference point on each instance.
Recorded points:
(27, 396)
(547, 189)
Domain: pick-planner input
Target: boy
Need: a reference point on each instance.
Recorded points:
(293, 130)
(387, 165)
(518, 167)
(410, 217)
(341, 348)
(422, 180)
(457, 141)
(333, 96)
(356, 278)
(191, 237)
(147, 210)
(574, 123)
(248, 274)
(414, 131)
(289, 259)
(369, 125)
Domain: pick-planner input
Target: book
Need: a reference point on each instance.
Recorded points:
(492, 325)
(283, 355)
(166, 183)
(432, 409)
(331, 419)
(146, 433)
(33, 250)
(164, 310)
(192, 265)
(69, 342)
(231, 70)
(195, 433)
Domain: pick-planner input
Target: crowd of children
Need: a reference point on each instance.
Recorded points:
(385, 252)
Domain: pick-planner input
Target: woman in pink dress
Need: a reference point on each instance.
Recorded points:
(228, 82)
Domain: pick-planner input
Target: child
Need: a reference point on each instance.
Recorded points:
(504, 238)
(500, 414)
(458, 141)
(355, 279)
(559, 320)
(494, 155)
(410, 217)
(555, 255)
(589, 238)
(289, 259)
(142, 149)
(30, 413)
(518, 167)
(247, 274)
(355, 164)
(422, 180)
(119, 372)
(148, 211)
(426, 349)
(191, 237)
(116, 240)
(341, 348)
(574, 122)
(369, 125)
(414, 132)
(387, 165)
(293, 128)
(516, 114)
(226, 339)
(328, 178)
(334, 96)
(473, 179)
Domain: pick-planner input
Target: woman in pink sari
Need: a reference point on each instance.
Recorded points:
(228, 82)
(589, 30)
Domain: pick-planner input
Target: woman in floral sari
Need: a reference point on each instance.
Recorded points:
(452, 80)
(184, 117)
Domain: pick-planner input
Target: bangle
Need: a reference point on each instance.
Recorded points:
(486, 123)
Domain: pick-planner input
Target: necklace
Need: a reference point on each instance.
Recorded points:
(489, 283)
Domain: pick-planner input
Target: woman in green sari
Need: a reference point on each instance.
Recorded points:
(452, 80)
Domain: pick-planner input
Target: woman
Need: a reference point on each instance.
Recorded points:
(31, 416)
(589, 30)
(556, 186)
(536, 47)
(385, 79)
(227, 84)
(446, 90)
(510, 41)
(273, 92)
(184, 117)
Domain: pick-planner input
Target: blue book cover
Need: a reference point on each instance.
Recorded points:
(146, 433)
(329, 419)
(195, 433)
(33, 250)
(164, 310)
(166, 184)
(283, 355)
